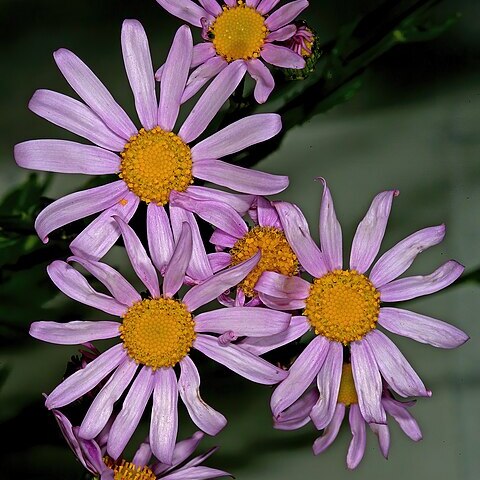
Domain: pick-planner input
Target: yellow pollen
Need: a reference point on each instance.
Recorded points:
(123, 202)
(343, 306)
(128, 471)
(158, 332)
(347, 393)
(277, 255)
(154, 163)
(238, 32)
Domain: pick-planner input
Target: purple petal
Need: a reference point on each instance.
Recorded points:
(421, 328)
(196, 473)
(175, 272)
(74, 333)
(164, 423)
(399, 258)
(282, 56)
(243, 321)
(282, 34)
(78, 205)
(143, 454)
(252, 3)
(185, 10)
(368, 382)
(383, 434)
(211, 6)
(331, 431)
(201, 53)
(298, 414)
(199, 77)
(222, 239)
(241, 203)
(238, 178)
(160, 236)
(216, 285)
(75, 117)
(101, 409)
(285, 14)
(212, 100)
(267, 215)
(298, 235)
(94, 241)
(129, 417)
(204, 416)
(231, 3)
(240, 361)
(74, 285)
(62, 156)
(281, 303)
(139, 259)
(266, 6)
(404, 419)
(394, 367)
(413, 287)
(370, 232)
(219, 261)
(139, 68)
(301, 374)
(82, 381)
(328, 383)
(330, 231)
(174, 78)
(281, 286)
(94, 93)
(357, 446)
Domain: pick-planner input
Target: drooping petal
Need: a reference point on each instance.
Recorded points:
(356, 449)
(185, 10)
(404, 419)
(301, 374)
(298, 235)
(174, 78)
(298, 414)
(94, 93)
(240, 361)
(282, 286)
(264, 82)
(238, 178)
(196, 473)
(139, 68)
(74, 285)
(74, 333)
(281, 303)
(282, 34)
(160, 236)
(383, 434)
(421, 328)
(331, 431)
(78, 205)
(241, 203)
(413, 287)
(282, 57)
(399, 258)
(202, 414)
(285, 14)
(370, 232)
(82, 381)
(202, 74)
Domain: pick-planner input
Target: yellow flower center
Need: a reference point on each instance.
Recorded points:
(347, 393)
(154, 163)
(343, 306)
(128, 471)
(158, 332)
(277, 255)
(238, 32)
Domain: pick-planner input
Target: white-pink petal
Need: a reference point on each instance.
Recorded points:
(185, 10)
(264, 81)
(160, 236)
(285, 14)
(282, 56)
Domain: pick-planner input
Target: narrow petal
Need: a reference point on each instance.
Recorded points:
(196, 473)
(240, 361)
(399, 258)
(252, 3)
(330, 231)
(174, 77)
(211, 6)
(421, 328)
(164, 423)
(281, 303)
(282, 34)
(94, 241)
(78, 205)
(75, 117)
(301, 375)
(331, 431)
(266, 6)
(74, 285)
(160, 236)
(186, 447)
(132, 410)
(139, 259)
(281, 286)
(298, 414)
(175, 272)
(267, 215)
(143, 454)
(368, 382)
(404, 419)
(204, 416)
(62, 156)
(219, 260)
(238, 178)
(139, 68)
(82, 381)
(211, 101)
(200, 76)
(216, 285)
(298, 235)
(185, 10)
(328, 383)
(370, 232)
(101, 409)
(74, 333)
(94, 93)
(264, 82)
(383, 434)
(413, 287)
(243, 321)
(285, 14)
(222, 239)
(282, 57)
(241, 203)
(394, 367)
(201, 53)
(356, 449)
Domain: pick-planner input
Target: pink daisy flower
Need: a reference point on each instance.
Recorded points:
(92, 454)
(343, 308)
(239, 31)
(153, 163)
(298, 415)
(156, 334)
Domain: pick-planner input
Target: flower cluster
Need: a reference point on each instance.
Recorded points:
(265, 284)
